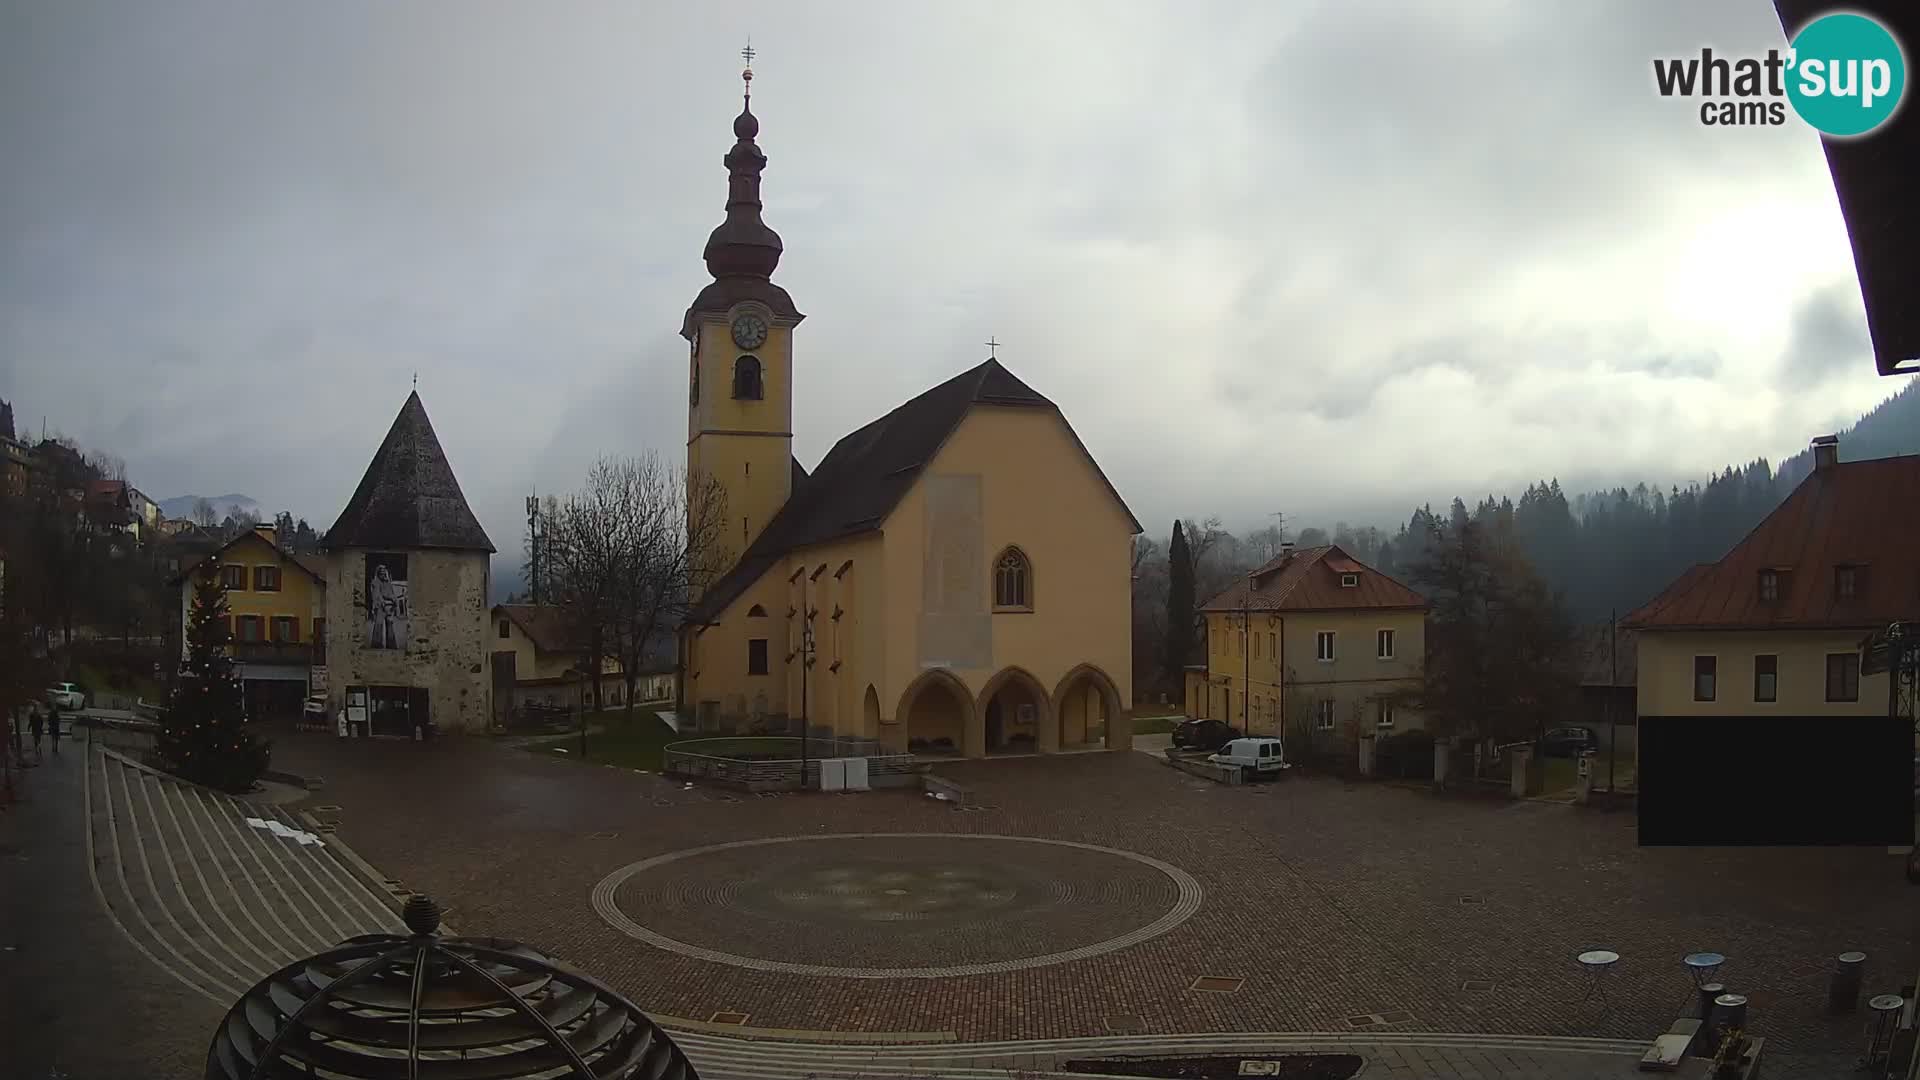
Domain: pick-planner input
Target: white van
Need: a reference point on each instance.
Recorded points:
(1259, 756)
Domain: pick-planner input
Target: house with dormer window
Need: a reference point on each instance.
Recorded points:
(1776, 627)
(1313, 642)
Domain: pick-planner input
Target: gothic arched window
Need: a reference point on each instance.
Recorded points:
(746, 379)
(1013, 581)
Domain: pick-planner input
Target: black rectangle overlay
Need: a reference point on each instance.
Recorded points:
(1788, 781)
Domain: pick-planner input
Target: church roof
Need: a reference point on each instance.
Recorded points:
(868, 472)
(409, 497)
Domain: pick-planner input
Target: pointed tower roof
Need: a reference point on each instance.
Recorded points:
(742, 251)
(408, 497)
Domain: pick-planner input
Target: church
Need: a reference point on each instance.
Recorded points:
(952, 578)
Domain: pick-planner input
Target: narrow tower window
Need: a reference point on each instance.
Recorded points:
(746, 379)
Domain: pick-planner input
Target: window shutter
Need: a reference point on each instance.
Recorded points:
(293, 630)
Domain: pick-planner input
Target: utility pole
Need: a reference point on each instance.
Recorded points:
(533, 544)
(806, 661)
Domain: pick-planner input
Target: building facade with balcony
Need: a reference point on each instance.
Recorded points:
(276, 618)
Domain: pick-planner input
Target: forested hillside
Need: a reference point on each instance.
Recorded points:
(1601, 551)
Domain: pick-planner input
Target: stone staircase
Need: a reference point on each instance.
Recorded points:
(216, 902)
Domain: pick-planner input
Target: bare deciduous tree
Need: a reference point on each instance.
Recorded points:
(627, 554)
(204, 514)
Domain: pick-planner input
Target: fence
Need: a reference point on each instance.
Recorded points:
(774, 763)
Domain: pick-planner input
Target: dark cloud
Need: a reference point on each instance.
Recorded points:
(1213, 237)
(1828, 338)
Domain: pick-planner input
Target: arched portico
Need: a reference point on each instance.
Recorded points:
(1016, 715)
(937, 715)
(1089, 708)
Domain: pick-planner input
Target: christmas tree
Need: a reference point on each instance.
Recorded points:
(204, 737)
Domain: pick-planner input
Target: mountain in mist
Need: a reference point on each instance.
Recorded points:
(181, 506)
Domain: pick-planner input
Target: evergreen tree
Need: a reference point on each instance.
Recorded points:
(1180, 603)
(204, 737)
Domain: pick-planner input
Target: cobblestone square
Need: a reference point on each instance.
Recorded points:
(1331, 901)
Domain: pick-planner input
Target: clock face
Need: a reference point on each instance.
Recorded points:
(749, 331)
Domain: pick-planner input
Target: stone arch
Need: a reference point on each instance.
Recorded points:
(936, 706)
(1073, 700)
(1001, 729)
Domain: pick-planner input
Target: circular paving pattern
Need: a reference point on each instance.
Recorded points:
(896, 905)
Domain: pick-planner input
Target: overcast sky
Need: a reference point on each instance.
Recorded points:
(1330, 258)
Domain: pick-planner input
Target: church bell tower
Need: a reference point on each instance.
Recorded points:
(739, 333)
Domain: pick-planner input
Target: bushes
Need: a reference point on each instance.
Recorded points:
(1406, 755)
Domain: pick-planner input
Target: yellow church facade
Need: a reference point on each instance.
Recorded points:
(952, 578)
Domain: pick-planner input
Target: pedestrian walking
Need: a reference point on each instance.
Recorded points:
(53, 730)
(38, 720)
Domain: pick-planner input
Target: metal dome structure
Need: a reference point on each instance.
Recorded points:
(424, 1007)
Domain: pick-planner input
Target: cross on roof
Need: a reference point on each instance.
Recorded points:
(992, 349)
(747, 53)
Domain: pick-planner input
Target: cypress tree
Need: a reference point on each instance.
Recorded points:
(1179, 607)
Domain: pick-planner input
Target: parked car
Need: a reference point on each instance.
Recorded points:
(66, 697)
(1256, 756)
(1568, 742)
(1204, 735)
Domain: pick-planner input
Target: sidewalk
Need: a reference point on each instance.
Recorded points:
(76, 1002)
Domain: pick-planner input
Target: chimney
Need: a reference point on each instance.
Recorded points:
(1286, 548)
(1826, 452)
(265, 532)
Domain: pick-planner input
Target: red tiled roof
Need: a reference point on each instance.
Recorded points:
(1309, 580)
(1860, 513)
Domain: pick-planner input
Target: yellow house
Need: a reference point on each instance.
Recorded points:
(276, 617)
(1775, 628)
(534, 657)
(1312, 643)
(952, 578)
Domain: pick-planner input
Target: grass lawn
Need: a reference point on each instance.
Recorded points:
(97, 680)
(630, 745)
(1156, 725)
(1562, 774)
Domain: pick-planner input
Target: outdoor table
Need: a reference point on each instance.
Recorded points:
(1701, 966)
(1595, 963)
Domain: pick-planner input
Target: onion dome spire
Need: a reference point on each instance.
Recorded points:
(743, 245)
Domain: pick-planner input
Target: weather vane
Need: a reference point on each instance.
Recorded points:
(993, 348)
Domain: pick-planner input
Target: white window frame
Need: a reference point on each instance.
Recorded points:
(1384, 636)
(1325, 645)
(1349, 581)
(1384, 719)
(1324, 716)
